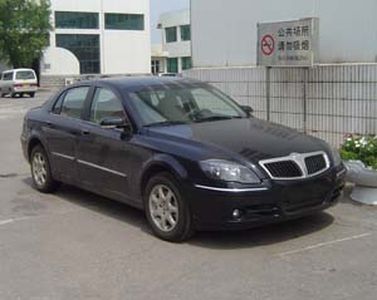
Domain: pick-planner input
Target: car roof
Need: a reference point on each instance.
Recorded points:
(140, 82)
(19, 69)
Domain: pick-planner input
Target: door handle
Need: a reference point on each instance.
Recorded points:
(85, 132)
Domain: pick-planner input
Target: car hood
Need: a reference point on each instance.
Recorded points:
(252, 138)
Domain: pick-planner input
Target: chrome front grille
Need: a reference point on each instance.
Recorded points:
(296, 165)
(287, 168)
(315, 163)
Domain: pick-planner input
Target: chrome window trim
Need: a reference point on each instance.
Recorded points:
(299, 159)
(89, 164)
(210, 188)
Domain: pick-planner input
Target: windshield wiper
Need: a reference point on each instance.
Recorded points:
(216, 118)
(166, 123)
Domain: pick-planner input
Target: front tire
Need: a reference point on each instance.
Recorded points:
(41, 171)
(166, 210)
(32, 94)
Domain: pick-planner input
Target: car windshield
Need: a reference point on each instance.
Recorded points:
(183, 105)
(24, 75)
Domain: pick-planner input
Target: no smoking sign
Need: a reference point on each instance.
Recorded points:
(267, 45)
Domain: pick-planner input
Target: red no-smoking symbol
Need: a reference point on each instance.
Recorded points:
(268, 45)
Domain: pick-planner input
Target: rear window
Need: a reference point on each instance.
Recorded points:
(25, 75)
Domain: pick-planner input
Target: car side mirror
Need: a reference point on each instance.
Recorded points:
(248, 110)
(115, 122)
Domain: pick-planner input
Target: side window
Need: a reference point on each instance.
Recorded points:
(58, 105)
(8, 76)
(74, 102)
(105, 104)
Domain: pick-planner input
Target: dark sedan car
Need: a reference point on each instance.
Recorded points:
(181, 150)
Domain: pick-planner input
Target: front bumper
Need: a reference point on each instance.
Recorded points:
(213, 209)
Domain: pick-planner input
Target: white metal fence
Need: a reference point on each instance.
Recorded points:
(327, 101)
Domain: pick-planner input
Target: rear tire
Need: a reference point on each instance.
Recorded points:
(166, 210)
(32, 94)
(41, 171)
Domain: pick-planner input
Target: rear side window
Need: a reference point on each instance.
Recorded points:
(58, 105)
(8, 76)
(73, 102)
(25, 75)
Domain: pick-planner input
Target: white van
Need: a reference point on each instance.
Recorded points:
(18, 82)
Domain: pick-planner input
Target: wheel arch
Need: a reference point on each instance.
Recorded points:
(161, 164)
(33, 142)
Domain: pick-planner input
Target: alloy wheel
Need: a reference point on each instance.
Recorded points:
(39, 169)
(163, 208)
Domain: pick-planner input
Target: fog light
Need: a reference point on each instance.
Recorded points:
(236, 213)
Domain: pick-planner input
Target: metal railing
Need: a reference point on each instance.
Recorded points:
(327, 101)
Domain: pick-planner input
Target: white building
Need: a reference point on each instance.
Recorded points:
(224, 33)
(98, 36)
(176, 41)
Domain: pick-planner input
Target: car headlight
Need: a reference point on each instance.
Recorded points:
(336, 157)
(228, 171)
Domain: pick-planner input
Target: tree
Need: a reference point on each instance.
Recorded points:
(24, 30)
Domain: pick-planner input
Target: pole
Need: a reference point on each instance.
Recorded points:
(268, 93)
(305, 98)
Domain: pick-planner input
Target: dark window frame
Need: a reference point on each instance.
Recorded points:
(127, 22)
(185, 35)
(75, 45)
(168, 37)
(168, 65)
(184, 63)
(60, 15)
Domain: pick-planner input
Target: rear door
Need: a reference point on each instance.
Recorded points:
(103, 153)
(62, 129)
(25, 78)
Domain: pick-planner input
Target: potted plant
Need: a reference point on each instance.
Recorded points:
(360, 156)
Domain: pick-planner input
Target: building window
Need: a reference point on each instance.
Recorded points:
(85, 47)
(172, 65)
(185, 33)
(124, 21)
(80, 20)
(155, 66)
(171, 34)
(186, 63)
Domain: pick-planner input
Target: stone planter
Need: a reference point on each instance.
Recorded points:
(365, 180)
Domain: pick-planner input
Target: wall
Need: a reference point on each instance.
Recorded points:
(179, 48)
(328, 101)
(122, 51)
(224, 32)
(59, 61)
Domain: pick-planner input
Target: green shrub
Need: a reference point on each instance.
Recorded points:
(363, 148)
